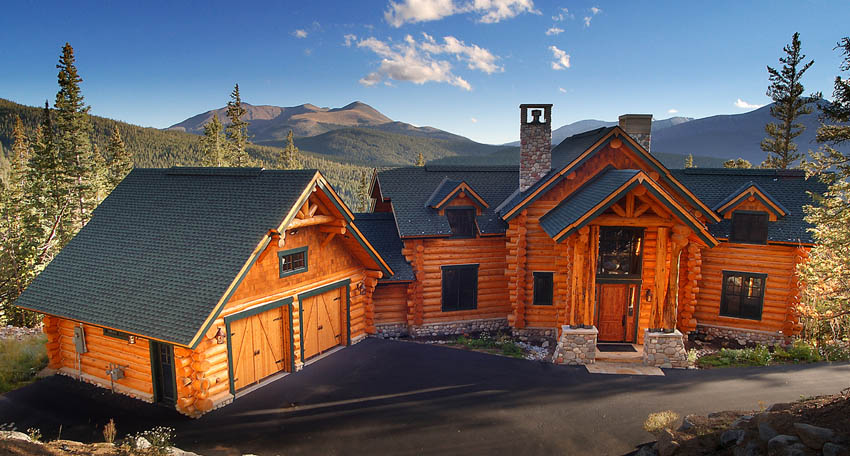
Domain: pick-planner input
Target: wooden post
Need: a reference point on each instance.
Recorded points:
(590, 278)
(655, 316)
(679, 241)
(521, 272)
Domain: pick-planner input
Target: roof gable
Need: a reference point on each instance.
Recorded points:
(449, 189)
(756, 192)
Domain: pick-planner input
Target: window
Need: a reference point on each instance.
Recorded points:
(749, 227)
(292, 261)
(543, 286)
(743, 295)
(620, 252)
(462, 222)
(116, 334)
(460, 287)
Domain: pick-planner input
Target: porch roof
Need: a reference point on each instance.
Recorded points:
(597, 195)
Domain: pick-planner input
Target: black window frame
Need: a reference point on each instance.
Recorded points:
(632, 276)
(453, 304)
(543, 295)
(117, 334)
(281, 255)
(733, 233)
(473, 228)
(726, 301)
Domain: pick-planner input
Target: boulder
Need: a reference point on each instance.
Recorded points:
(646, 450)
(666, 446)
(731, 437)
(750, 448)
(142, 443)
(814, 436)
(778, 407)
(14, 435)
(833, 449)
(687, 424)
(766, 431)
(174, 451)
(742, 422)
(787, 445)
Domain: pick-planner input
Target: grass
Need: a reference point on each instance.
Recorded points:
(658, 421)
(486, 343)
(798, 352)
(20, 360)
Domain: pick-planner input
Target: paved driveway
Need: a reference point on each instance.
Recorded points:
(389, 397)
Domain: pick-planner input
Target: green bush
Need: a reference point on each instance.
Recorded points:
(798, 352)
(20, 360)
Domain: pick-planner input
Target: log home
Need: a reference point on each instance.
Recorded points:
(192, 286)
(592, 241)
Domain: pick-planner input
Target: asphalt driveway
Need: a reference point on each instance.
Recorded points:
(390, 397)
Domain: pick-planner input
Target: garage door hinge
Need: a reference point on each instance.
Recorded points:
(256, 353)
(278, 319)
(336, 299)
(278, 361)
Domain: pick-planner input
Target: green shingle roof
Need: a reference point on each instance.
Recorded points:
(162, 248)
(379, 228)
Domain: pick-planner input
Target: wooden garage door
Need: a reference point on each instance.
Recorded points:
(257, 344)
(323, 322)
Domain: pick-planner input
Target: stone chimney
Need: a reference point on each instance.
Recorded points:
(639, 127)
(535, 138)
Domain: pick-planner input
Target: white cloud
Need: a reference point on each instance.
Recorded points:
(349, 38)
(595, 10)
(672, 111)
(562, 59)
(418, 62)
(554, 31)
(300, 33)
(744, 105)
(587, 21)
(562, 90)
(308, 52)
(473, 120)
(563, 14)
(489, 11)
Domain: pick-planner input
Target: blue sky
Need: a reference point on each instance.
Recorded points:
(458, 65)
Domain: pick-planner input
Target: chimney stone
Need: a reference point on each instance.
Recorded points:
(535, 137)
(639, 127)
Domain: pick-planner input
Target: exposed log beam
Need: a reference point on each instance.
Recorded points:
(315, 220)
(328, 239)
(630, 205)
(619, 210)
(641, 209)
(332, 229)
(646, 220)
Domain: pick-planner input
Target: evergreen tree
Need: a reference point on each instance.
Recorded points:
(689, 161)
(826, 296)
(363, 197)
(289, 157)
(737, 163)
(213, 144)
(73, 141)
(47, 184)
(237, 131)
(420, 160)
(120, 161)
(786, 91)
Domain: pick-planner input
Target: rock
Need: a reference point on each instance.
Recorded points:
(766, 431)
(742, 422)
(666, 446)
(14, 435)
(545, 344)
(142, 443)
(778, 407)
(751, 448)
(787, 445)
(731, 437)
(174, 451)
(833, 449)
(646, 450)
(814, 436)
(687, 424)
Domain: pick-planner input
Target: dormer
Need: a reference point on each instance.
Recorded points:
(750, 209)
(460, 204)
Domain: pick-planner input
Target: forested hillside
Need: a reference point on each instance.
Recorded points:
(157, 148)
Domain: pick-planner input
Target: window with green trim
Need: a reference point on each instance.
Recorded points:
(742, 295)
(543, 288)
(292, 261)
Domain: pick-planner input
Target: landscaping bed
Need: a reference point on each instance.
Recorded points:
(499, 343)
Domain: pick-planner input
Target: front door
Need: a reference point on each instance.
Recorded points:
(613, 304)
(162, 365)
(323, 322)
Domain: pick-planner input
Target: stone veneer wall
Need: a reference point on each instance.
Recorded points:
(664, 350)
(459, 327)
(390, 330)
(535, 335)
(741, 336)
(576, 346)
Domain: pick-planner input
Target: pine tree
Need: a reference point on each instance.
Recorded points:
(363, 197)
(737, 163)
(786, 91)
(826, 297)
(73, 141)
(420, 160)
(48, 191)
(289, 157)
(237, 131)
(689, 161)
(120, 161)
(213, 144)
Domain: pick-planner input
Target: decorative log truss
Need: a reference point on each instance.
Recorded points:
(315, 212)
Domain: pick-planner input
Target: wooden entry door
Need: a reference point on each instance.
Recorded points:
(612, 312)
(323, 322)
(162, 362)
(257, 346)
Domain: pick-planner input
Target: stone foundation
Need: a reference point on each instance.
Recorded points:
(459, 327)
(535, 335)
(390, 330)
(358, 339)
(576, 346)
(665, 350)
(741, 336)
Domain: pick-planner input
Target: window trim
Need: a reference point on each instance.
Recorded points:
(744, 274)
(284, 253)
(744, 212)
(443, 269)
(474, 222)
(551, 297)
(115, 334)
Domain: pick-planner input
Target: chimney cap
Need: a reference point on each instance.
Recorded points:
(526, 106)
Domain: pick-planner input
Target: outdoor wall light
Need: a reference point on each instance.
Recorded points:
(361, 288)
(293, 232)
(648, 295)
(219, 336)
(131, 340)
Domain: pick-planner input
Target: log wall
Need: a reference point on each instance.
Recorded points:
(778, 262)
(390, 303)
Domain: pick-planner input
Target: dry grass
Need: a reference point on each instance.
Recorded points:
(658, 421)
(20, 360)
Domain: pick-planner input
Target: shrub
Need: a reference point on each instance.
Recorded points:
(20, 361)
(34, 434)
(109, 431)
(658, 421)
(511, 349)
(160, 438)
